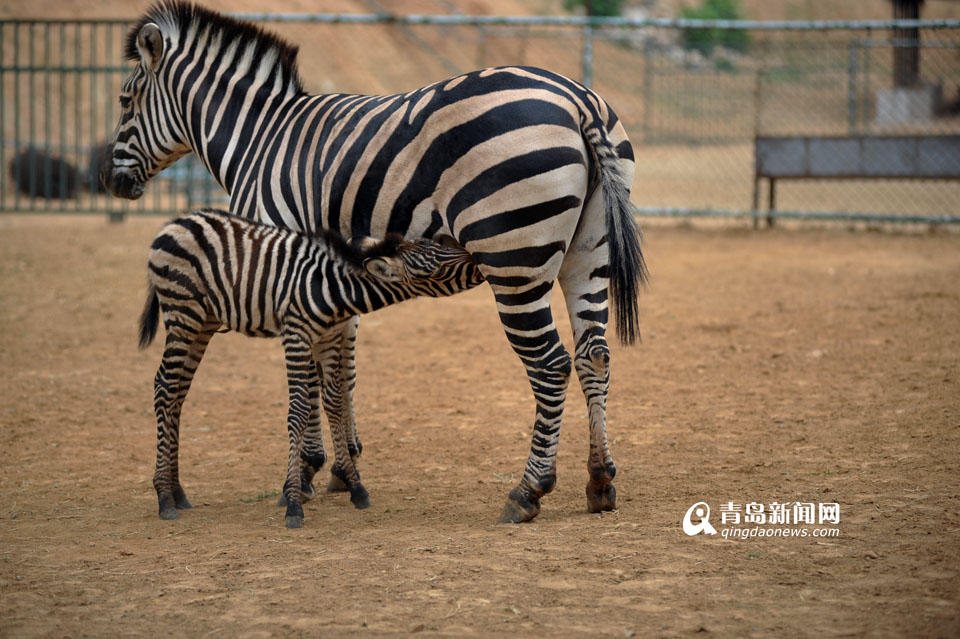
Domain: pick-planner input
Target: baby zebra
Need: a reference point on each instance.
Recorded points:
(209, 270)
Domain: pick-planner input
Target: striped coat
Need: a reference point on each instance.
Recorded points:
(528, 170)
(209, 270)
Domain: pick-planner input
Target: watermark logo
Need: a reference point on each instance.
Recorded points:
(702, 512)
(776, 519)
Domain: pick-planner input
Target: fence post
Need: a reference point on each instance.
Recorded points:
(647, 90)
(588, 54)
(867, 54)
(852, 86)
(757, 110)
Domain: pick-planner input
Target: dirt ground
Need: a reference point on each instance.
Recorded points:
(787, 365)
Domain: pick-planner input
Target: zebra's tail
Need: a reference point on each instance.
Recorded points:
(627, 269)
(150, 317)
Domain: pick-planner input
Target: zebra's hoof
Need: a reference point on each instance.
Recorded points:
(282, 500)
(336, 485)
(169, 513)
(360, 497)
(294, 514)
(517, 511)
(601, 498)
(181, 502)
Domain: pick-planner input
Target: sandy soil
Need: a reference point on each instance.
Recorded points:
(811, 366)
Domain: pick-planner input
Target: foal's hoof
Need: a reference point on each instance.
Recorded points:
(601, 499)
(360, 497)
(181, 501)
(168, 507)
(294, 515)
(518, 510)
(169, 513)
(336, 485)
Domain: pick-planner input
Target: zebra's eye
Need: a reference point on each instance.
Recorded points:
(125, 101)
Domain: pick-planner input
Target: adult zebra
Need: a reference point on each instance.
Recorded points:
(527, 169)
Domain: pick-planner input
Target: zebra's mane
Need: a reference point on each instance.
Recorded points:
(178, 15)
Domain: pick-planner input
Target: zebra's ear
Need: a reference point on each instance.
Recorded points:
(150, 46)
(387, 269)
(446, 240)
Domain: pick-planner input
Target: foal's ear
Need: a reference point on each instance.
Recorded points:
(388, 269)
(446, 240)
(150, 46)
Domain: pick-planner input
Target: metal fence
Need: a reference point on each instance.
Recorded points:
(694, 95)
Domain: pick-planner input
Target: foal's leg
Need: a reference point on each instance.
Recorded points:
(314, 456)
(302, 381)
(312, 453)
(182, 353)
(348, 381)
(190, 365)
(327, 353)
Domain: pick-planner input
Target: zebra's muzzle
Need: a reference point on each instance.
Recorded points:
(121, 183)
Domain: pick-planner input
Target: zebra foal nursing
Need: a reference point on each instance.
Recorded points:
(526, 169)
(209, 270)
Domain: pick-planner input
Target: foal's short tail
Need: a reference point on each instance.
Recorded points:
(150, 317)
(627, 269)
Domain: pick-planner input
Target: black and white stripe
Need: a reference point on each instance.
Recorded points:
(527, 169)
(209, 270)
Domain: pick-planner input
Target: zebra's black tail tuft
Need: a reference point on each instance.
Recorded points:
(627, 269)
(150, 317)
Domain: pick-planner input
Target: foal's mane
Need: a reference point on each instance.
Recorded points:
(178, 16)
(355, 255)
(352, 254)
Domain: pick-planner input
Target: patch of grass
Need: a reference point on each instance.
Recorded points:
(260, 497)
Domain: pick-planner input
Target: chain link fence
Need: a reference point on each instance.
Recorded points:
(700, 100)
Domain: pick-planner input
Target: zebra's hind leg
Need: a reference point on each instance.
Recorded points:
(348, 382)
(528, 322)
(584, 281)
(328, 353)
(191, 363)
(302, 381)
(182, 353)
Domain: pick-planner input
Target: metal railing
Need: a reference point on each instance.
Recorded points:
(692, 105)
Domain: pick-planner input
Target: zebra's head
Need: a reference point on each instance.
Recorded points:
(147, 138)
(424, 267)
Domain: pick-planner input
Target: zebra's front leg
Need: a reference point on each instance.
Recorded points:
(301, 381)
(348, 382)
(312, 454)
(327, 353)
(534, 338)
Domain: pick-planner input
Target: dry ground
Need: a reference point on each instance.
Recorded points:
(815, 366)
